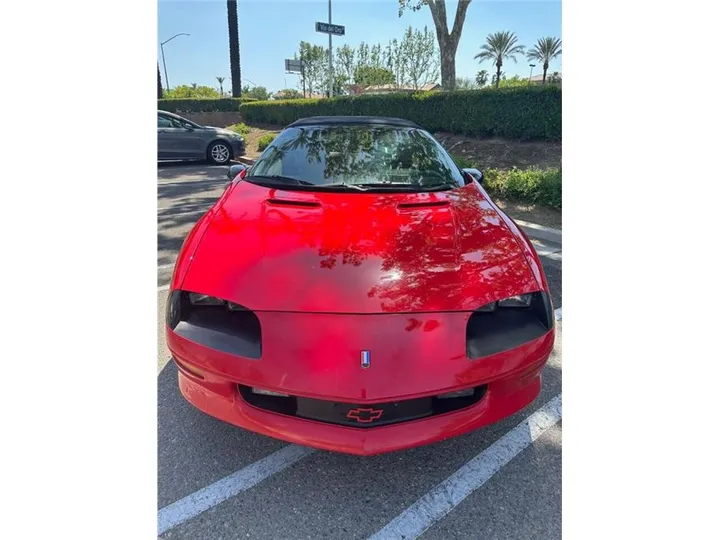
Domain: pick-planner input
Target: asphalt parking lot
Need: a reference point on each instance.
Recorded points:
(217, 481)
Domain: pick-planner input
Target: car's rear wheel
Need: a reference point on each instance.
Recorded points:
(219, 153)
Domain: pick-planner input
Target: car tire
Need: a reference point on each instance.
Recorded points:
(219, 153)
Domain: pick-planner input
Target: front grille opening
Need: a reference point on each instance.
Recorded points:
(503, 329)
(234, 331)
(360, 415)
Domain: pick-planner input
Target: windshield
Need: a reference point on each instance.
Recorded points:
(363, 157)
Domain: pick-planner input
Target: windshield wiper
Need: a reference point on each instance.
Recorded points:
(277, 178)
(357, 187)
(440, 187)
(403, 186)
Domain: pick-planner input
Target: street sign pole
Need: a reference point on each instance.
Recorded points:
(329, 28)
(302, 71)
(330, 93)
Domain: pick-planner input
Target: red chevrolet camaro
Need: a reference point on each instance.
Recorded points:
(356, 291)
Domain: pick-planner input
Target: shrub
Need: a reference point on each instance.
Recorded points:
(463, 162)
(542, 186)
(264, 141)
(528, 112)
(191, 92)
(241, 128)
(180, 106)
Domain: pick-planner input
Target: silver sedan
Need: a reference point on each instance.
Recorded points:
(181, 139)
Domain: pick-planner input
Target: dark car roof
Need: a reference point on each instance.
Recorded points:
(354, 120)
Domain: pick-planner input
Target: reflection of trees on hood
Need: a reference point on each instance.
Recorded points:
(426, 258)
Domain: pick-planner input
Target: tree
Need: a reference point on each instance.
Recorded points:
(289, 93)
(481, 78)
(160, 88)
(465, 83)
(545, 50)
(394, 60)
(512, 82)
(314, 60)
(220, 80)
(555, 78)
(234, 35)
(419, 60)
(363, 55)
(499, 47)
(496, 78)
(345, 61)
(372, 76)
(375, 59)
(340, 84)
(447, 41)
(257, 92)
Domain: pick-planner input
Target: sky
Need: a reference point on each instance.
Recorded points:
(270, 31)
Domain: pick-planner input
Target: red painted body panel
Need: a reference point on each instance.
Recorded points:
(359, 272)
(358, 253)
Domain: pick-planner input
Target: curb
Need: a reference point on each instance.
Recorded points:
(533, 230)
(244, 160)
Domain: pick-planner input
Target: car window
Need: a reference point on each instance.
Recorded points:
(363, 155)
(164, 122)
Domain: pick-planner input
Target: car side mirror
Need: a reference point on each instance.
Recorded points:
(235, 170)
(475, 174)
(189, 127)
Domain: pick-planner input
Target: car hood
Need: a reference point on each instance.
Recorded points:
(276, 250)
(219, 131)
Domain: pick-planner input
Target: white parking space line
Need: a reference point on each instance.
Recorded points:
(558, 314)
(163, 287)
(176, 513)
(548, 251)
(164, 266)
(180, 214)
(437, 503)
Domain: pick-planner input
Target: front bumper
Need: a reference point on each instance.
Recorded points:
(209, 380)
(238, 147)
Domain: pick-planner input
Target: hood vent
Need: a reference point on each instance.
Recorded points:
(428, 204)
(294, 203)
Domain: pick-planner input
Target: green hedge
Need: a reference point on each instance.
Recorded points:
(202, 104)
(264, 141)
(542, 186)
(526, 113)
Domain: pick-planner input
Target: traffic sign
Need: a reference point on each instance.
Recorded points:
(293, 66)
(327, 28)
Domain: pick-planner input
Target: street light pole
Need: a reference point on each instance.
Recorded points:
(162, 52)
(330, 93)
(530, 77)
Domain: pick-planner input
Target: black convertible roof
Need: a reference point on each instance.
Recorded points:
(354, 120)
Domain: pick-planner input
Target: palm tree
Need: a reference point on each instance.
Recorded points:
(234, 35)
(220, 80)
(481, 78)
(545, 50)
(500, 46)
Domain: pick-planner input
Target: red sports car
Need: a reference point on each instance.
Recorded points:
(356, 291)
